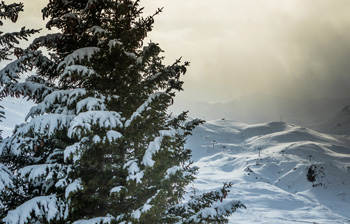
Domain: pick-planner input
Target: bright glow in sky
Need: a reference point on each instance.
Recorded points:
(242, 47)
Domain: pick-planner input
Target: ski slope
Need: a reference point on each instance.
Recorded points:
(301, 176)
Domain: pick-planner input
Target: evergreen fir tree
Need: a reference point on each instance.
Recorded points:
(100, 146)
(9, 46)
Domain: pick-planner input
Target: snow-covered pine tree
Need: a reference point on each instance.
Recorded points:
(9, 40)
(9, 46)
(100, 146)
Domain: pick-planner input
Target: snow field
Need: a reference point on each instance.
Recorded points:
(301, 176)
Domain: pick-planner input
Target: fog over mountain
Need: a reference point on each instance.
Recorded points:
(338, 124)
(258, 109)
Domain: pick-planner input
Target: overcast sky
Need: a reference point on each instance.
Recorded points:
(242, 47)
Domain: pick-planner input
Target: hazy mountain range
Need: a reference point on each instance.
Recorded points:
(338, 124)
(324, 114)
(258, 109)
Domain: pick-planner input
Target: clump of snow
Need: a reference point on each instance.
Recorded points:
(130, 55)
(113, 135)
(46, 124)
(74, 151)
(35, 171)
(79, 55)
(5, 177)
(73, 187)
(143, 107)
(172, 171)
(112, 43)
(89, 104)
(103, 119)
(46, 207)
(56, 98)
(139, 60)
(152, 149)
(145, 208)
(218, 209)
(99, 220)
(155, 146)
(68, 70)
(134, 171)
(117, 189)
(97, 30)
(96, 139)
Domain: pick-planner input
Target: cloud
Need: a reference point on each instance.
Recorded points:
(292, 47)
(242, 47)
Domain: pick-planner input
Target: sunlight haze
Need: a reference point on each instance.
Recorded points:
(237, 48)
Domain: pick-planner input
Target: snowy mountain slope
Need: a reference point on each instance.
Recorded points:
(338, 124)
(301, 176)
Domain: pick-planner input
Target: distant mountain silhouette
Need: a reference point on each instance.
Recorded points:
(261, 108)
(338, 124)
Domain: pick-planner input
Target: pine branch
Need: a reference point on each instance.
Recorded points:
(10, 11)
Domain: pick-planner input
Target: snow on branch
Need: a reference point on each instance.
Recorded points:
(90, 104)
(73, 187)
(6, 177)
(112, 43)
(15, 144)
(145, 208)
(8, 41)
(144, 107)
(80, 69)
(44, 174)
(49, 40)
(134, 171)
(34, 172)
(60, 97)
(97, 30)
(32, 90)
(46, 124)
(70, 15)
(12, 70)
(193, 123)
(218, 209)
(208, 207)
(74, 151)
(84, 122)
(155, 146)
(79, 55)
(46, 207)
(117, 189)
(99, 220)
(113, 135)
(34, 86)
